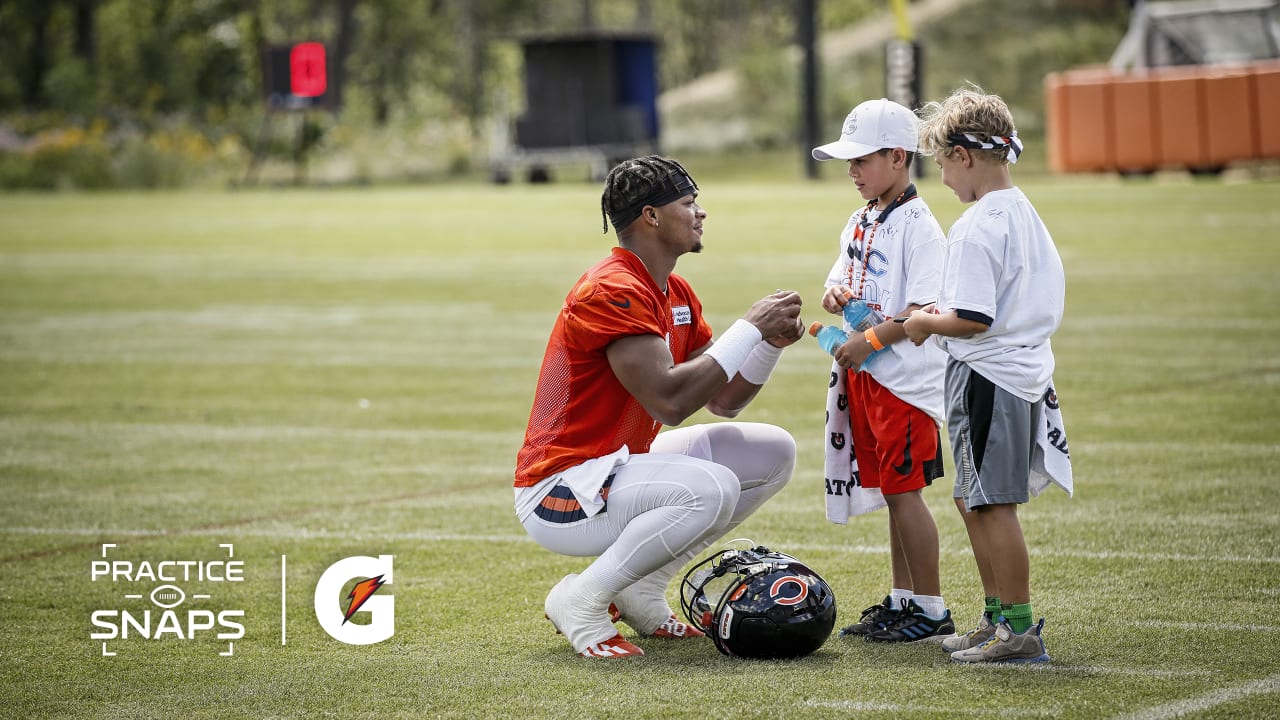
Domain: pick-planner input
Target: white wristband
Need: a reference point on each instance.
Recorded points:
(760, 363)
(733, 347)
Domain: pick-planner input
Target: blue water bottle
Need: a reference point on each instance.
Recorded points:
(829, 337)
(859, 316)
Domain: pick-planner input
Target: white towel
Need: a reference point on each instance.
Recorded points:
(845, 495)
(1051, 460)
(586, 479)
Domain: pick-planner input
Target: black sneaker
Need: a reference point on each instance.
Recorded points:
(912, 625)
(874, 618)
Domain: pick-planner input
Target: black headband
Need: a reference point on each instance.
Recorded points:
(671, 188)
(967, 140)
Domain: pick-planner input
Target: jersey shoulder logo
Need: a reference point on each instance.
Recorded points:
(623, 304)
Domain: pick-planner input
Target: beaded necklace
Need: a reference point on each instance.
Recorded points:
(858, 232)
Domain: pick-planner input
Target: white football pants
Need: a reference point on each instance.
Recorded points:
(665, 506)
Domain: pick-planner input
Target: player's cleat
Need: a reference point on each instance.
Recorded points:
(589, 632)
(643, 606)
(677, 630)
(614, 647)
(1007, 646)
(873, 618)
(913, 625)
(973, 638)
(672, 627)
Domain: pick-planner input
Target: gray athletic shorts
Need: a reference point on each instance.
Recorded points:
(992, 436)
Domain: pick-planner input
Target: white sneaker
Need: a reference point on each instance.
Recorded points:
(1007, 646)
(971, 639)
(586, 627)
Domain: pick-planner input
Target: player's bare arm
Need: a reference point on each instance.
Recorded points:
(670, 393)
(739, 392)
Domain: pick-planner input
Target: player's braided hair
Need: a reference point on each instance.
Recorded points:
(634, 183)
(967, 110)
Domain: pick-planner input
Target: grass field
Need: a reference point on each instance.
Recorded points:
(317, 375)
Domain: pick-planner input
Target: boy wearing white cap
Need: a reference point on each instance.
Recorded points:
(890, 258)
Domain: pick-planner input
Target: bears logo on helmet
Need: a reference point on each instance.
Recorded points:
(775, 590)
(759, 603)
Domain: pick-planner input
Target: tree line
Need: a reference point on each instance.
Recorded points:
(140, 92)
(202, 58)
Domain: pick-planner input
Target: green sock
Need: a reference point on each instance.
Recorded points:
(1019, 616)
(993, 608)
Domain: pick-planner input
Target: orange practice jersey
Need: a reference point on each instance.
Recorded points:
(580, 409)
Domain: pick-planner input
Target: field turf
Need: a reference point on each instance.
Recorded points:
(312, 375)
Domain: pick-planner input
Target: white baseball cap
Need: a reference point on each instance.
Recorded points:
(873, 125)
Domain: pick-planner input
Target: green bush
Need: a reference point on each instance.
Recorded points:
(15, 171)
(60, 159)
(152, 162)
(62, 156)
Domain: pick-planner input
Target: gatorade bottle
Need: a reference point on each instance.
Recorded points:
(860, 316)
(829, 337)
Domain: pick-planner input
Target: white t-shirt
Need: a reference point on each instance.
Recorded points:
(903, 267)
(1001, 263)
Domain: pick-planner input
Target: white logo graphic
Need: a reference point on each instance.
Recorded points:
(681, 315)
(166, 623)
(382, 608)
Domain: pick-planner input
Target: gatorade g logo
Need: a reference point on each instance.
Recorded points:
(334, 609)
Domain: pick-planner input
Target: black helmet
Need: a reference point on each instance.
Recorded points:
(759, 603)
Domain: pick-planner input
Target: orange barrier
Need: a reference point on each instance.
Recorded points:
(1135, 124)
(1196, 117)
(1266, 94)
(1179, 105)
(1086, 108)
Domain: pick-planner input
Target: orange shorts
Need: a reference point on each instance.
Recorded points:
(897, 445)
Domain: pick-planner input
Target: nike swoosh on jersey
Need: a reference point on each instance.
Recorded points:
(624, 304)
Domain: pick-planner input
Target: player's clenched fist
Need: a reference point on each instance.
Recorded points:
(777, 314)
(784, 339)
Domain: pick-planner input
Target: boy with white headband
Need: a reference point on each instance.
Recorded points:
(1002, 297)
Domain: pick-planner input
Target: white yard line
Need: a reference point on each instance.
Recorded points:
(1207, 627)
(433, 536)
(254, 432)
(1060, 553)
(283, 534)
(1163, 712)
(907, 708)
(1201, 703)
